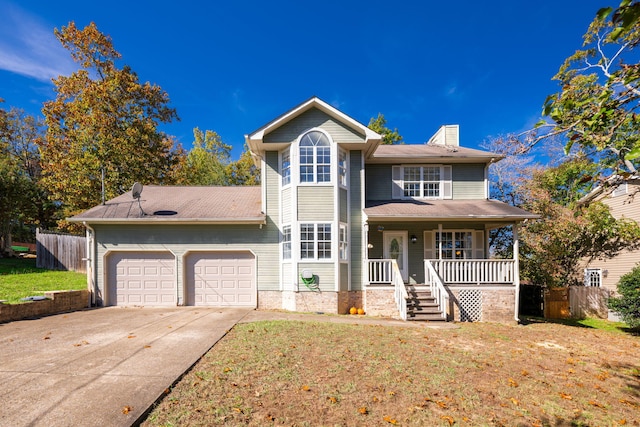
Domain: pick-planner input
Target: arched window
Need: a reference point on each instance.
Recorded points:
(315, 157)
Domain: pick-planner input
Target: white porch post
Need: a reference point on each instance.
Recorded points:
(516, 270)
(439, 241)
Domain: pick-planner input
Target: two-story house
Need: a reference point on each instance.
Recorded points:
(339, 220)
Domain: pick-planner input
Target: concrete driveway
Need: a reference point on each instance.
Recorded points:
(101, 367)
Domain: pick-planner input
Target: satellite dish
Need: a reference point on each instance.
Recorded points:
(136, 190)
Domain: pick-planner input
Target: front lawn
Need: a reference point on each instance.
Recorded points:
(19, 278)
(311, 374)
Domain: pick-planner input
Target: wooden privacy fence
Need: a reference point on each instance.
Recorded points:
(576, 302)
(57, 251)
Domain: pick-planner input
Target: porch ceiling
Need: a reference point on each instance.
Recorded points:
(450, 210)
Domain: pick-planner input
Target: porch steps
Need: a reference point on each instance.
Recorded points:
(421, 306)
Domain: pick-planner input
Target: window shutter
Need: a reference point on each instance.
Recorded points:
(478, 244)
(396, 175)
(429, 249)
(447, 192)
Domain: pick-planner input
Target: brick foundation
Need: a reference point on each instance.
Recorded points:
(57, 302)
(498, 305)
(381, 302)
(269, 300)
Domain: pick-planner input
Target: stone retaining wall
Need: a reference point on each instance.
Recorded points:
(56, 302)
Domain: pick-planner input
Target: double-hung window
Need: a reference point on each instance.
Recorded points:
(455, 244)
(421, 182)
(315, 241)
(342, 168)
(315, 158)
(342, 242)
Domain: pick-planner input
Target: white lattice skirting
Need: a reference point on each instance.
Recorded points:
(470, 303)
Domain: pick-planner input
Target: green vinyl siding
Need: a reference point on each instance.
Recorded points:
(286, 205)
(324, 272)
(315, 203)
(344, 276)
(468, 181)
(313, 118)
(355, 242)
(344, 205)
(378, 179)
(181, 239)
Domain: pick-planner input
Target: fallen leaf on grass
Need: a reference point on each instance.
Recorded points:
(363, 410)
(46, 338)
(390, 420)
(448, 419)
(514, 401)
(131, 336)
(565, 396)
(596, 404)
(333, 399)
(513, 383)
(147, 346)
(127, 409)
(622, 422)
(305, 388)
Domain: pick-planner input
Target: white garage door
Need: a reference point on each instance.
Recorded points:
(221, 279)
(142, 278)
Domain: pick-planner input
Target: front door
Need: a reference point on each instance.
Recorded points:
(395, 247)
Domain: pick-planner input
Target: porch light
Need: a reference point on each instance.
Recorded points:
(414, 238)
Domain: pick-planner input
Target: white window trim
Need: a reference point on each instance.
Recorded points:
(283, 241)
(588, 273)
(477, 243)
(344, 152)
(343, 245)
(282, 155)
(316, 241)
(446, 182)
(332, 160)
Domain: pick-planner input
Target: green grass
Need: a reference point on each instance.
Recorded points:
(19, 278)
(591, 323)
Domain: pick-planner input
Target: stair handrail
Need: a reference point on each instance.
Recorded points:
(400, 291)
(438, 291)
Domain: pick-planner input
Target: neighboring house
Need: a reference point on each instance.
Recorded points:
(338, 221)
(623, 202)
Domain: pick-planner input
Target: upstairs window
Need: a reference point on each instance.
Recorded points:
(342, 168)
(421, 182)
(315, 158)
(286, 168)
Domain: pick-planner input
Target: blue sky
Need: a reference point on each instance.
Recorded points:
(234, 66)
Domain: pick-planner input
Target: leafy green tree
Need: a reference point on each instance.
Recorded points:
(207, 160)
(243, 171)
(596, 108)
(628, 303)
(555, 246)
(379, 125)
(103, 119)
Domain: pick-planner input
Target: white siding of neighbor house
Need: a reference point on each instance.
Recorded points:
(181, 239)
(314, 118)
(325, 273)
(625, 261)
(316, 203)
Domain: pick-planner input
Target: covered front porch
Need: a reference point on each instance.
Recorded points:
(434, 257)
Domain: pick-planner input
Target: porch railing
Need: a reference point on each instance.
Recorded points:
(386, 272)
(380, 271)
(400, 292)
(437, 288)
(475, 271)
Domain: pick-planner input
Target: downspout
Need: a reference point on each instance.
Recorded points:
(91, 279)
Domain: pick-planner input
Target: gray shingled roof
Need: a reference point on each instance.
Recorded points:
(430, 152)
(444, 209)
(181, 204)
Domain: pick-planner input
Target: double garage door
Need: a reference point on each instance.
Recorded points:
(214, 279)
